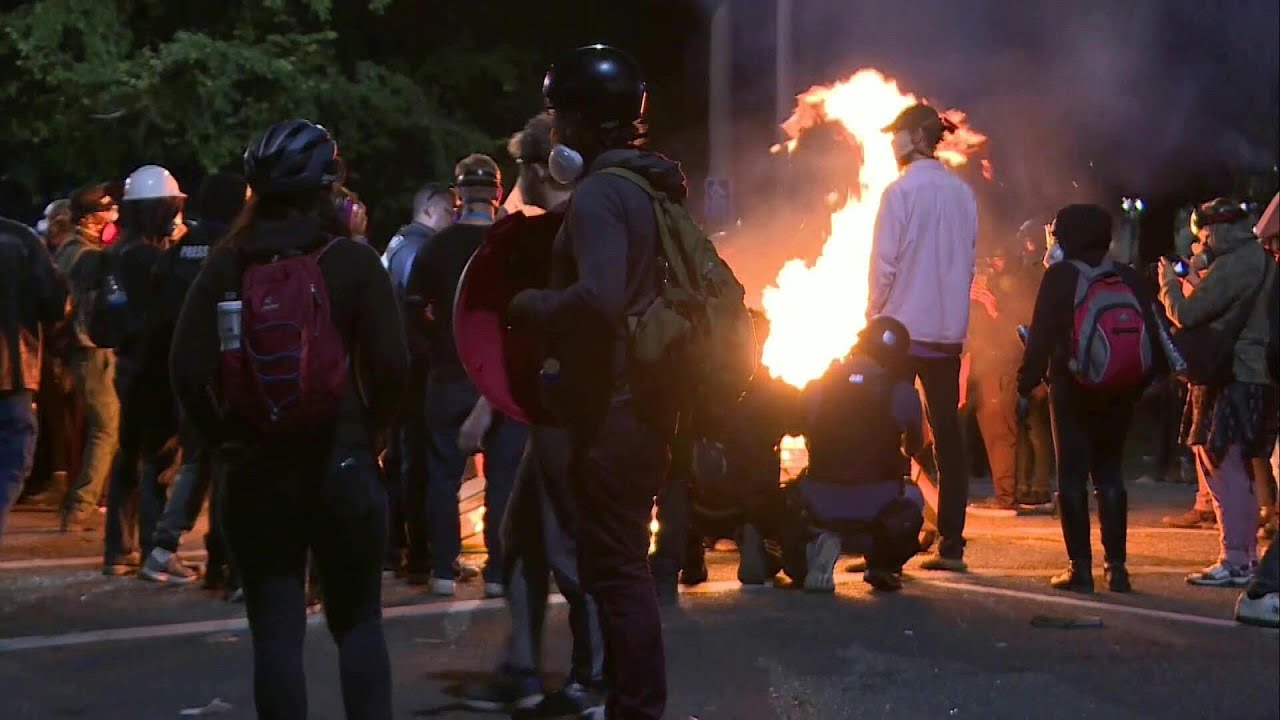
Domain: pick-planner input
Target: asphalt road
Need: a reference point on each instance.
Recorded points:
(74, 644)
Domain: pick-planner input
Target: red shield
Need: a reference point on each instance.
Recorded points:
(503, 363)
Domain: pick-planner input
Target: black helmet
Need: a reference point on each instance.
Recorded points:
(477, 170)
(886, 340)
(601, 83)
(291, 156)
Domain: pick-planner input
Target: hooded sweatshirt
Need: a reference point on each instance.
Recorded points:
(604, 269)
(1049, 336)
(363, 309)
(1233, 281)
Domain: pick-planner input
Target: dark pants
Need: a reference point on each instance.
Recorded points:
(617, 472)
(17, 449)
(537, 532)
(941, 380)
(411, 449)
(1089, 431)
(280, 503)
(1266, 579)
(1035, 451)
(448, 404)
(677, 542)
(136, 497)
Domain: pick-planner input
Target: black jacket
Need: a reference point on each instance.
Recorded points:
(604, 269)
(363, 309)
(32, 297)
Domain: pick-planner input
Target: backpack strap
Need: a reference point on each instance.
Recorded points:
(667, 243)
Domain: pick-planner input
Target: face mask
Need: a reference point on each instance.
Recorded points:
(565, 164)
(903, 145)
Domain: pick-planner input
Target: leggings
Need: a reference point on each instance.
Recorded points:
(280, 503)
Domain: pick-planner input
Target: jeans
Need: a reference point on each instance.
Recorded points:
(186, 497)
(1089, 433)
(941, 380)
(448, 404)
(94, 370)
(280, 504)
(617, 472)
(17, 449)
(1234, 504)
(536, 530)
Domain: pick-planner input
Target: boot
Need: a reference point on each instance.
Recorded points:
(1113, 516)
(1073, 507)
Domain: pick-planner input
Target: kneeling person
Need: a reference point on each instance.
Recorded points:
(864, 422)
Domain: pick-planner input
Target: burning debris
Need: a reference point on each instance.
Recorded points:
(816, 311)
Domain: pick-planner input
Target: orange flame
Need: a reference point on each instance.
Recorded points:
(816, 311)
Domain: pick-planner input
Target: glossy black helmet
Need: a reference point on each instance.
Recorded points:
(885, 340)
(600, 83)
(292, 156)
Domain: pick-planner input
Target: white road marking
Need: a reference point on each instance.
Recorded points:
(210, 627)
(1079, 602)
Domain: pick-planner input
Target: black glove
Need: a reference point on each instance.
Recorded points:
(1023, 410)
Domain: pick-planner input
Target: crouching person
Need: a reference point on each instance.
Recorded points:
(864, 421)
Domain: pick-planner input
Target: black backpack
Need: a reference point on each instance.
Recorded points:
(107, 314)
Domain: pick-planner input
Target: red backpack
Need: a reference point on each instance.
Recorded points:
(1110, 350)
(287, 368)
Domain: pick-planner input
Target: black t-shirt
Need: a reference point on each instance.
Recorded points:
(433, 281)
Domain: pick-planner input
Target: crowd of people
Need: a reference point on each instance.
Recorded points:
(262, 358)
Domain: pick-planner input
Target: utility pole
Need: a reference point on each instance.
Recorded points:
(718, 208)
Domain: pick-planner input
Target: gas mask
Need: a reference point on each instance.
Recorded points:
(565, 164)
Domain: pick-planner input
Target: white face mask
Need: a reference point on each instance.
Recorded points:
(565, 164)
(903, 145)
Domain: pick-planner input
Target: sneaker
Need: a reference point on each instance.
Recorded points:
(572, 699)
(883, 580)
(505, 692)
(695, 571)
(994, 507)
(821, 555)
(939, 562)
(164, 566)
(1076, 578)
(1222, 574)
(1032, 509)
(494, 589)
(1190, 519)
(236, 596)
(88, 520)
(593, 713)
(1263, 611)
(442, 587)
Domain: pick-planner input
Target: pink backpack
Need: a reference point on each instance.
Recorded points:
(288, 372)
(1110, 350)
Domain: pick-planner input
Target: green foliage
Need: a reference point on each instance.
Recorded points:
(101, 86)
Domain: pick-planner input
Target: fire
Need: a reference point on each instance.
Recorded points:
(816, 311)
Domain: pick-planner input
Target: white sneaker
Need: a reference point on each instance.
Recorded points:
(1222, 574)
(443, 588)
(1263, 611)
(494, 590)
(164, 566)
(821, 554)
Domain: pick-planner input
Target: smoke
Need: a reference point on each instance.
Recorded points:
(1081, 100)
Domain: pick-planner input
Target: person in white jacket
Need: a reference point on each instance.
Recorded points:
(922, 265)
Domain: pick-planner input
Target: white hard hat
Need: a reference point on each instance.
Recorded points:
(151, 181)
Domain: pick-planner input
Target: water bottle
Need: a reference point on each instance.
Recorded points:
(1176, 362)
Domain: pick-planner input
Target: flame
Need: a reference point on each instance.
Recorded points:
(816, 311)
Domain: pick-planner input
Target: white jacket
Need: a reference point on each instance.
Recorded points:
(923, 252)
